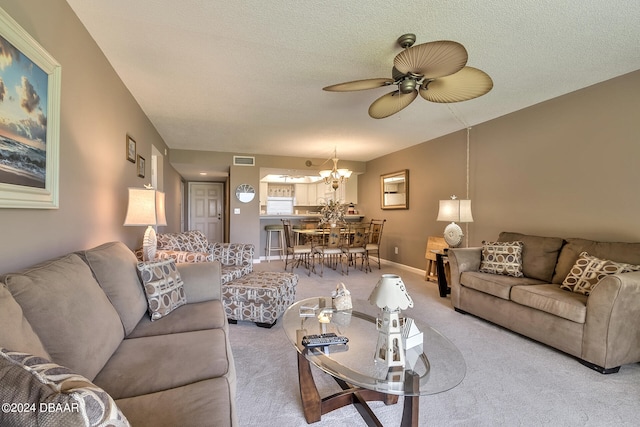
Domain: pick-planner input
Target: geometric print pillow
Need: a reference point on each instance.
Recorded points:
(163, 286)
(37, 392)
(589, 270)
(502, 258)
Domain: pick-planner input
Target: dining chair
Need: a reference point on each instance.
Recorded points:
(354, 245)
(330, 250)
(375, 237)
(298, 253)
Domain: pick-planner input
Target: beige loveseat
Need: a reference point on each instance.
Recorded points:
(597, 323)
(88, 312)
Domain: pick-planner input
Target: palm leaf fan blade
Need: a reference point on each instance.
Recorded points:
(464, 85)
(358, 85)
(391, 103)
(433, 59)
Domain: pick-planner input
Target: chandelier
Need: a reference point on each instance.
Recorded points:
(335, 176)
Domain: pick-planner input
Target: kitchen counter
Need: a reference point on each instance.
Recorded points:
(306, 216)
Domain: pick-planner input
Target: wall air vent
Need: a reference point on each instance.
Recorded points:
(244, 161)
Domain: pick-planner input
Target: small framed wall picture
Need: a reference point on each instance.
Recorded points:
(140, 166)
(131, 149)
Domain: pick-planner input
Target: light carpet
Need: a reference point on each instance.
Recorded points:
(510, 381)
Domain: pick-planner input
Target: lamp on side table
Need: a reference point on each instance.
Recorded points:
(146, 207)
(454, 210)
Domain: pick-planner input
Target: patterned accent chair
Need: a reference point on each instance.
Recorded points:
(236, 259)
(259, 297)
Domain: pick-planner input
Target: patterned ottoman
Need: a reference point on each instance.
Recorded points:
(260, 297)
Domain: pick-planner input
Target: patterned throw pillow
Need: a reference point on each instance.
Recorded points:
(163, 287)
(502, 258)
(38, 392)
(588, 270)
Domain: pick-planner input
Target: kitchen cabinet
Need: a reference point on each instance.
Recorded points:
(313, 194)
(302, 195)
(306, 195)
(347, 192)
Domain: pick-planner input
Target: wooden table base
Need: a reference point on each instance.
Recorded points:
(314, 406)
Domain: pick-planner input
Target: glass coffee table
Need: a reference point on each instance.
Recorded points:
(437, 367)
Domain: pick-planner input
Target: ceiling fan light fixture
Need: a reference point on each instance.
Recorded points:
(407, 85)
(435, 70)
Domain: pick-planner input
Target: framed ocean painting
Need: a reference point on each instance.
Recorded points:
(29, 120)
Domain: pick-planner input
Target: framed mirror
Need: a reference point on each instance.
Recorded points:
(245, 193)
(394, 190)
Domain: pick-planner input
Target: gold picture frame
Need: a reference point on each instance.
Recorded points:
(394, 190)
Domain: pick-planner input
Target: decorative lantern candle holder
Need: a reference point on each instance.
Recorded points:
(390, 295)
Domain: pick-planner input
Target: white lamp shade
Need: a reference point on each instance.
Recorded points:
(346, 173)
(325, 173)
(390, 292)
(146, 207)
(455, 210)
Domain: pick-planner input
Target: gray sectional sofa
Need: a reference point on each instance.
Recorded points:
(88, 313)
(598, 324)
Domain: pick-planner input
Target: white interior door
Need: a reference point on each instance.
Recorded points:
(205, 209)
(157, 172)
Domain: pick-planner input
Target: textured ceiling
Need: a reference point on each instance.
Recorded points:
(246, 76)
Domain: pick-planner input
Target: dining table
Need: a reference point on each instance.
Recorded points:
(316, 233)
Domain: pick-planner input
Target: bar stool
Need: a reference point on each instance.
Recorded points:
(274, 228)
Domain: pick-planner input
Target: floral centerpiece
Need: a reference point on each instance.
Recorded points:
(332, 213)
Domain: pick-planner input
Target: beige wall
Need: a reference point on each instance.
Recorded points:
(97, 111)
(244, 227)
(567, 167)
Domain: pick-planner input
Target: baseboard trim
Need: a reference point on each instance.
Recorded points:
(402, 267)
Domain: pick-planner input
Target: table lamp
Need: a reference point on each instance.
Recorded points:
(454, 210)
(390, 295)
(146, 207)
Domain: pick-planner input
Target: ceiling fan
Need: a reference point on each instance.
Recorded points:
(436, 70)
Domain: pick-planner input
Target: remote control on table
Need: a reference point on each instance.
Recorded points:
(323, 340)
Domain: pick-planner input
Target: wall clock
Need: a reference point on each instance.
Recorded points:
(245, 193)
